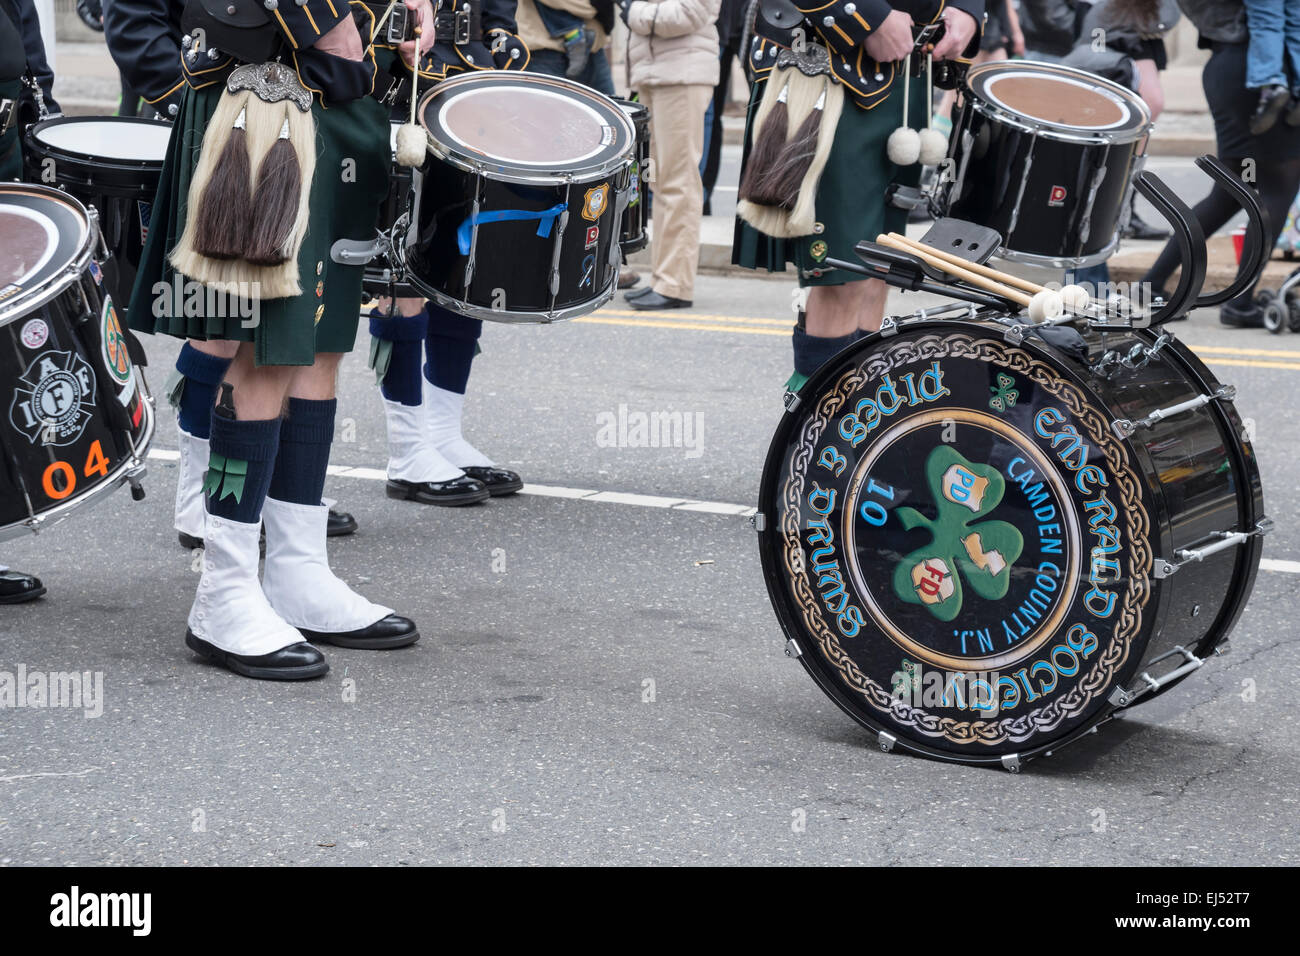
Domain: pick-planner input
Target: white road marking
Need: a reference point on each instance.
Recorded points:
(634, 500)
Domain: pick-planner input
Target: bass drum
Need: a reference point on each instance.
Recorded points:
(980, 550)
(113, 164)
(75, 415)
(520, 198)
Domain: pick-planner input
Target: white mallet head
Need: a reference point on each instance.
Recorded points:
(411, 144)
(1075, 298)
(1045, 306)
(903, 146)
(934, 147)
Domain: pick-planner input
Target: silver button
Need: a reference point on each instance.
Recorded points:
(818, 228)
(270, 4)
(231, 9)
(172, 109)
(828, 21)
(850, 9)
(470, 57)
(301, 3)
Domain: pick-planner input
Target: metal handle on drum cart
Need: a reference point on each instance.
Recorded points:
(1254, 251)
(1191, 244)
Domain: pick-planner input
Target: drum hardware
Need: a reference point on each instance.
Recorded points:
(1138, 357)
(1222, 540)
(792, 648)
(1126, 428)
(1011, 763)
(886, 741)
(1020, 192)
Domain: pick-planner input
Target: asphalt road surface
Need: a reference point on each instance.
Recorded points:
(601, 678)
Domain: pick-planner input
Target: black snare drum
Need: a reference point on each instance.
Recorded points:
(520, 198)
(634, 237)
(981, 548)
(112, 163)
(1045, 155)
(76, 415)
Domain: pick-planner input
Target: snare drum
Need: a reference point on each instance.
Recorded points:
(633, 237)
(1045, 155)
(981, 547)
(520, 199)
(112, 163)
(75, 415)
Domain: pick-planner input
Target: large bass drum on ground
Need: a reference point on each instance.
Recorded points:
(981, 546)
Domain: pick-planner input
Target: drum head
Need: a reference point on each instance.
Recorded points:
(42, 232)
(957, 543)
(526, 128)
(1059, 98)
(105, 138)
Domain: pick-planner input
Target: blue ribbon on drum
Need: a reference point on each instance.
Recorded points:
(465, 232)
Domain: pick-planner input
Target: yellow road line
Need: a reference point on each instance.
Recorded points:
(1229, 350)
(694, 326)
(697, 317)
(1214, 360)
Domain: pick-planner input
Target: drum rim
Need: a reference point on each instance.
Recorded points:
(11, 310)
(92, 159)
(522, 317)
(1051, 130)
(810, 657)
(513, 174)
(132, 464)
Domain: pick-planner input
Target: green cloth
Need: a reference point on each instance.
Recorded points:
(851, 204)
(353, 158)
(11, 142)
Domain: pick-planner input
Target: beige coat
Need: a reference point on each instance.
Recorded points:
(673, 42)
(534, 34)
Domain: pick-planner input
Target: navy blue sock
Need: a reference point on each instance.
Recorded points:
(450, 346)
(811, 352)
(401, 383)
(203, 373)
(306, 435)
(241, 458)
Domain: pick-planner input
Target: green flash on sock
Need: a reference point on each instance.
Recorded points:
(226, 478)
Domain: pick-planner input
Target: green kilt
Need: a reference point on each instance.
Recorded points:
(353, 159)
(851, 194)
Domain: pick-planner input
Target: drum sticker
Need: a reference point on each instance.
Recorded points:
(1057, 196)
(96, 273)
(54, 399)
(145, 209)
(607, 135)
(635, 184)
(595, 201)
(588, 270)
(593, 236)
(116, 358)
(960, 505)
(35, 333)
(9, 291)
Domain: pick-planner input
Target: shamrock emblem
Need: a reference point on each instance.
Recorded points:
(1004, 396)
(961, 545)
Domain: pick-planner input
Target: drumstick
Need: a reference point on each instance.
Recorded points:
(989, 273)
(1074, 298)
(974, 278)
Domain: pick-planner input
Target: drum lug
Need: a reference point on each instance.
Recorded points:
(792, 649)
(758, 521)
(104, 252)
(791, 401)
(1120, 697)
(1014, 335)
(1126, 428)
(888, 327)
(1011, 763)
(1219, 541)
(886, 741)
(356, 252)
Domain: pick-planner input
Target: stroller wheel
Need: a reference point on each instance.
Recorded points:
(1276, 316)
(1294, 309)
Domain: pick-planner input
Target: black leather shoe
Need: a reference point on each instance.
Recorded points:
(462, 490)
(385, 634)
(1273, 101)
(499, 481)
(653, 300)
(298, 661)
(16, 587)
(1139, 228)
(340, 523)
(1234, 315)
(1293, 110)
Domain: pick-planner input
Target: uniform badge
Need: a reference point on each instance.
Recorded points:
(594, 203)
(818, 250)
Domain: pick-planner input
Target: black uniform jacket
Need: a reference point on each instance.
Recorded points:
(843, 26)
(22, 52)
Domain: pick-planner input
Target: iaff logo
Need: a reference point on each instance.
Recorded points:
(53, 399)
(1057, 196)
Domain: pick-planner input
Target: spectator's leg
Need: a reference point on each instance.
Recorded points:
(676, 143)
(1266, 22)
(713, 127)
(597, 74)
